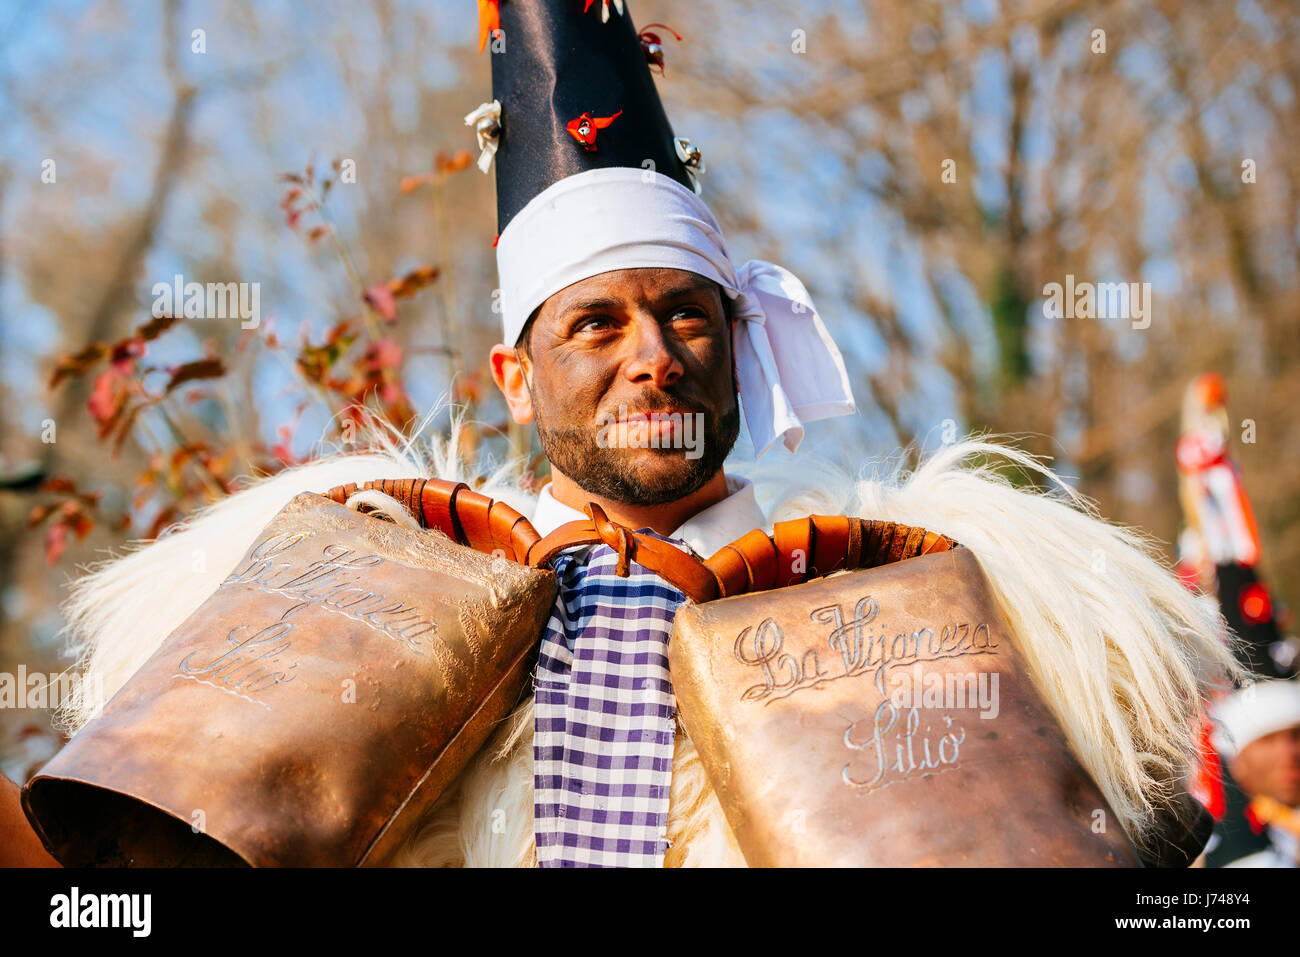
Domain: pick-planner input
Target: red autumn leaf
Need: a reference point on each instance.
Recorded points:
(155, 327)
(107, 398)
(413, 281)
(77, 363)
(162, 521)
(190, 371)
(445, 164)
(281, 449)
(410, 184)
(385, 354)
(58, 483)
(124, 424)
(56, 540)
(81, 524)
(125, 353)
(317, 233)
(315, 362)
(38, 514)
(381, 299)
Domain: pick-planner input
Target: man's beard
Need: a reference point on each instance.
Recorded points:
(603, 471)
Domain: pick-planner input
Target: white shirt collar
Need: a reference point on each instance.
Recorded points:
(706, 531)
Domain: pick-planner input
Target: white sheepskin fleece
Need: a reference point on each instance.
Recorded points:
(1122, 654)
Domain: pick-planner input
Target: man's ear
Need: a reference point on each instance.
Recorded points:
(508, 372)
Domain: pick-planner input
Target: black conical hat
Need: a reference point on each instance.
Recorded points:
(558, 63)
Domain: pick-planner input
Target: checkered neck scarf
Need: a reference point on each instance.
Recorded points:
(604, 715)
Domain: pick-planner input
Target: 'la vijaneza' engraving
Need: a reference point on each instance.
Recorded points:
(911, 749)
(243, 663)
(860, 650)
(335, 582)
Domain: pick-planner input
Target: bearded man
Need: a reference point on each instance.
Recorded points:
(632, 342)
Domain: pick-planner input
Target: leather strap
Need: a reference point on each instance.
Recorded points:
(453, 508)
(796, 551)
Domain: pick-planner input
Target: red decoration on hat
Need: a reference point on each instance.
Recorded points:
(494, 240)
(604, 8)
(489, 20)
(1256, 605)
(653, 46)
(584, 128)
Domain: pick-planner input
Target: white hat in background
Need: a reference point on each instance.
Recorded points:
(1253, 712)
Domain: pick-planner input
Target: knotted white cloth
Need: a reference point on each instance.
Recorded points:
(789, 369)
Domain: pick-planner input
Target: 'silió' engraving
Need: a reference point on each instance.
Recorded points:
(912, 752)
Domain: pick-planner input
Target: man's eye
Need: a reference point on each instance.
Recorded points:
(690, 312)
(592, 324)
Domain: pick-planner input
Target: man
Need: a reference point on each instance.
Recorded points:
(649, 351)
(633, 343)
(1257, 733)
(617, 285)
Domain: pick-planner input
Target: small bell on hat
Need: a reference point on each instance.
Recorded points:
(691, 158)
(486, 121)
(654, 46)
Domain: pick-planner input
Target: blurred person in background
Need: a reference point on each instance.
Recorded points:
(1257, 734)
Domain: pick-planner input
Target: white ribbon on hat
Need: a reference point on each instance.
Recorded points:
(788, 367)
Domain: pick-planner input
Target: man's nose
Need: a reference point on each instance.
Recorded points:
(653, 360)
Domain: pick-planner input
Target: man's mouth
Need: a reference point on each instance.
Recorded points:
(664, 427)
(658, 415)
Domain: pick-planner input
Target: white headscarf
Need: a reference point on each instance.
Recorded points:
(788, 367)
(1254, 711)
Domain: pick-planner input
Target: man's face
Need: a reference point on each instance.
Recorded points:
(632, 385)
(1270, 766)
